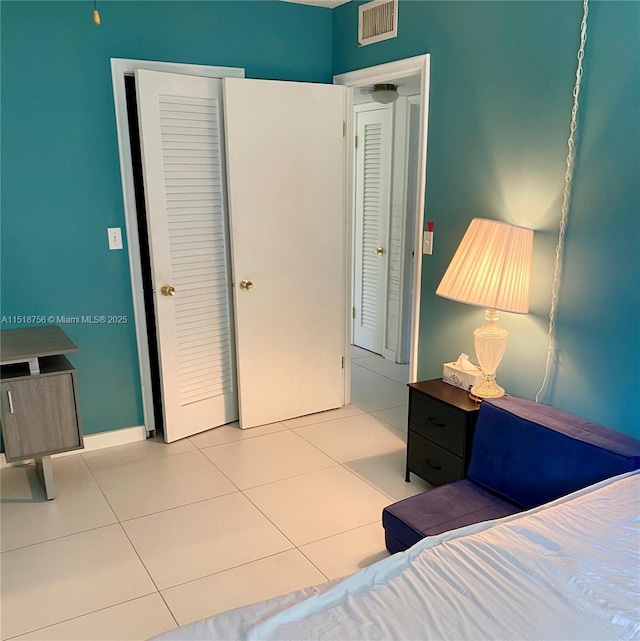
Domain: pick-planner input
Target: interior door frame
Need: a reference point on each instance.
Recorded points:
(415, 66)
(121, 67)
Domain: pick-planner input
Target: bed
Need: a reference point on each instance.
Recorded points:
(569, 570)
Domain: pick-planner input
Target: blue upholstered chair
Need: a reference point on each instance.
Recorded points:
(524, 454)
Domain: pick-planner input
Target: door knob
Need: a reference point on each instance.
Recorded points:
(168, 290)
(246, 285)
(379, 251)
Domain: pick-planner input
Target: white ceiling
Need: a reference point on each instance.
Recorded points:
(320, 3)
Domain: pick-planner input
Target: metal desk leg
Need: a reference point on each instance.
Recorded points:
(45, 471)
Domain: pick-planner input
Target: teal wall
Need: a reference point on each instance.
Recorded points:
(60, 170)
(502, 74)
(501, 80)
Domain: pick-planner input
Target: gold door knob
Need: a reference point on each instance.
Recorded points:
(379, 251)
(168, 290)
(246, 285)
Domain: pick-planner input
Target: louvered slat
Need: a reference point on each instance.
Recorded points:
(192, 166)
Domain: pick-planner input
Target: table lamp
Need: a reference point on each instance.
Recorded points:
(491, 269)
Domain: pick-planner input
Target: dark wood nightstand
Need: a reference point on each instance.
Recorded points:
(441, 423)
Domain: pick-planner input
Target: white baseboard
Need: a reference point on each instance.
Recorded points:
(99, 441)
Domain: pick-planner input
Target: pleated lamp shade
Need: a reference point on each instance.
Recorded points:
(491, 268)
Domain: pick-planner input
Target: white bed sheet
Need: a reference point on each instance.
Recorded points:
(569, 570)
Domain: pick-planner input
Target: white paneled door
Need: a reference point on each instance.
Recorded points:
(181, 133)
(371, 234)
(285, 150)
(285, 159)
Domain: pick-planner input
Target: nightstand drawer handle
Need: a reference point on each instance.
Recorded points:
(433, 467)
(435, 422)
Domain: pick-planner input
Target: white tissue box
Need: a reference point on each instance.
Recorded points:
(459, 377)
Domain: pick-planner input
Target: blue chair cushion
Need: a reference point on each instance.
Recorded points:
(529, 453)
(444, 508)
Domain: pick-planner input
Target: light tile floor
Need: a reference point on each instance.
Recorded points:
(144, 537)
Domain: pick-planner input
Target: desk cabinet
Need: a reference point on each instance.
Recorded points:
(441, 423)
(39, 413)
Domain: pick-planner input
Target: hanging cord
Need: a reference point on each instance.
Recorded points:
(566, 197)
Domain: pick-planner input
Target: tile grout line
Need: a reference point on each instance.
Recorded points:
(330, 420)
(141, 516)
(389, 378)
(238, 440)
(337, 463)
(209, 498)
(153, 459)
(150, 577)
(295, 547)
(283, 534)
(91, 529)
(240, 565)
(115, 605)
(117, 523)
(133, 547)
(351, 529)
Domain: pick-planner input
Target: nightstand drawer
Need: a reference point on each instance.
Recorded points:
(438, 422)
(432, 462)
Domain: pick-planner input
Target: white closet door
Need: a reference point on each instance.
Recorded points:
(181, 132)
(285, 150)
(371, 234)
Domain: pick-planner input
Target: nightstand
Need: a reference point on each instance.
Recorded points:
(441, 422)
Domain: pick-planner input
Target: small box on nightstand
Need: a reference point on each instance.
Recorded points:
(462, 373)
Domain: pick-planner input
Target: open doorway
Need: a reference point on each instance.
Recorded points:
(387, 213)
(384, 182)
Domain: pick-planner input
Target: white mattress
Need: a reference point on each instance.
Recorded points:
(568, 570)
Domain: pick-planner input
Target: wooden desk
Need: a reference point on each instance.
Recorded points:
(39, 411)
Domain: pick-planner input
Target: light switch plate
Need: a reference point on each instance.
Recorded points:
(427, 243)
(115, 237)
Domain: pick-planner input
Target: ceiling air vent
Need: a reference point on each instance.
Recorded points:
(378, 20)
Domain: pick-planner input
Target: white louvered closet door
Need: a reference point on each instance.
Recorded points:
(371, 233)
(181, 132)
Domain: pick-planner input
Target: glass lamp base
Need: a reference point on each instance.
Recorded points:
(487, 389)
(490, 341)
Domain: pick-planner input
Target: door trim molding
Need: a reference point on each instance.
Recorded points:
(418, 65)
(121, 67)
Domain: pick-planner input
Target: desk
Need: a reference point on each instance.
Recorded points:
(39, 411)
